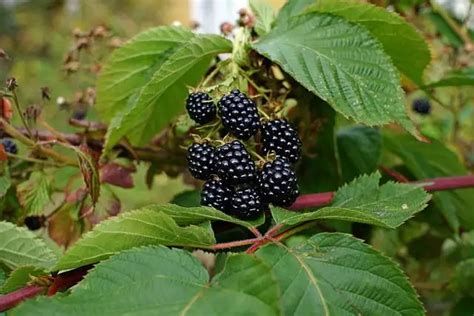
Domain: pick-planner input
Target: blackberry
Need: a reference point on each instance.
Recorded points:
(421, 106)
(246, 204)
(279, 136)
(277, 183)
(9, 145)
(200, 107)
(239, 115)
(201, 160)
(234, 164)
(34, 222)
(216, 194)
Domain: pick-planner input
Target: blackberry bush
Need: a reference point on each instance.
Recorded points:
(201, 160)
(239, 115)
(200, 107)
(280, 137)
(277, 183)
(234, 164)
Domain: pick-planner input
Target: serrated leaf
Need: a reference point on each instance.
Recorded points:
(359, 149)
(336, 274)
(131, 66)
(455, 78)
(264, 15)
(160, 281)
(291, 9)
(401, 41)
(195, 215)
(365, 201)
(162, 98)
(20, 277)
(20, 247)
(433, 160)
(133, 229)
(342, 63)
(35, 193)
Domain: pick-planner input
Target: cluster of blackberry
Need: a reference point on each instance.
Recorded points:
(9, 145)
(234, 184)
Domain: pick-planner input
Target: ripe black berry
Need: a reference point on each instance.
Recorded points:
(9, 145)
(34, 222)
(216, 194)
(246, 204)
(277, 183)
(200, 107)
(279, 136)
(234, 164)
(239, 115)
(422, 106)
(201, 160)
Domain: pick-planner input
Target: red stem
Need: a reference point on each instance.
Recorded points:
(9, 300)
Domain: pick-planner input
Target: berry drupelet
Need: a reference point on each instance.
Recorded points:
(34, 222)
(9, 145)
(421, 106)
(277, 183)
(234, 164)
(216, 194)
(200, 107)
(246, 204)
(201, 160)
(239, 115)
(279, 136)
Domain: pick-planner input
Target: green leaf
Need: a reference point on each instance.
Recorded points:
(133, 229)
(20, 277)
(401, 41)
(264, 15)
(190, 198)
(455, 78)
(162, 98)
(160, 281)
(342, 63)
(131, 66)
(4, 185)
(291, 9)
(433, 160)
(463, 279)
(35, 193)
(359, 149)
(365, 201)
(443, 27)
(20, 247)
(195, 215)
(336, 274)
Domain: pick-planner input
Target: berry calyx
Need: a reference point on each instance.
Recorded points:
(216, 194)
(277, 183)
(280, 137)
(422, 106)
(201, 160)
(246, 204)
(9, 145)
(234, 164)
(200, 107)
(239, 114)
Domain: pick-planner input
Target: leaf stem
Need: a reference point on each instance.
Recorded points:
(236, 243)
(20, 112)
(10, 300)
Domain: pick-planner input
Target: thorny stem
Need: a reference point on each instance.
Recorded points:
(20, 112)
(45, 162)
(12, 131)
(9, 300)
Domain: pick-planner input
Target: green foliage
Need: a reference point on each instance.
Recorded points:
(359, 149)
(163, 95)
(35, 193)
(432, 160)
(336, 274)
(264, 14)
(133, 229)
(463, 280)
(456, 78)
(157, 280)
(365, 201)
(19, 247)
(411, 58)
(363, 85)
(20, 277)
